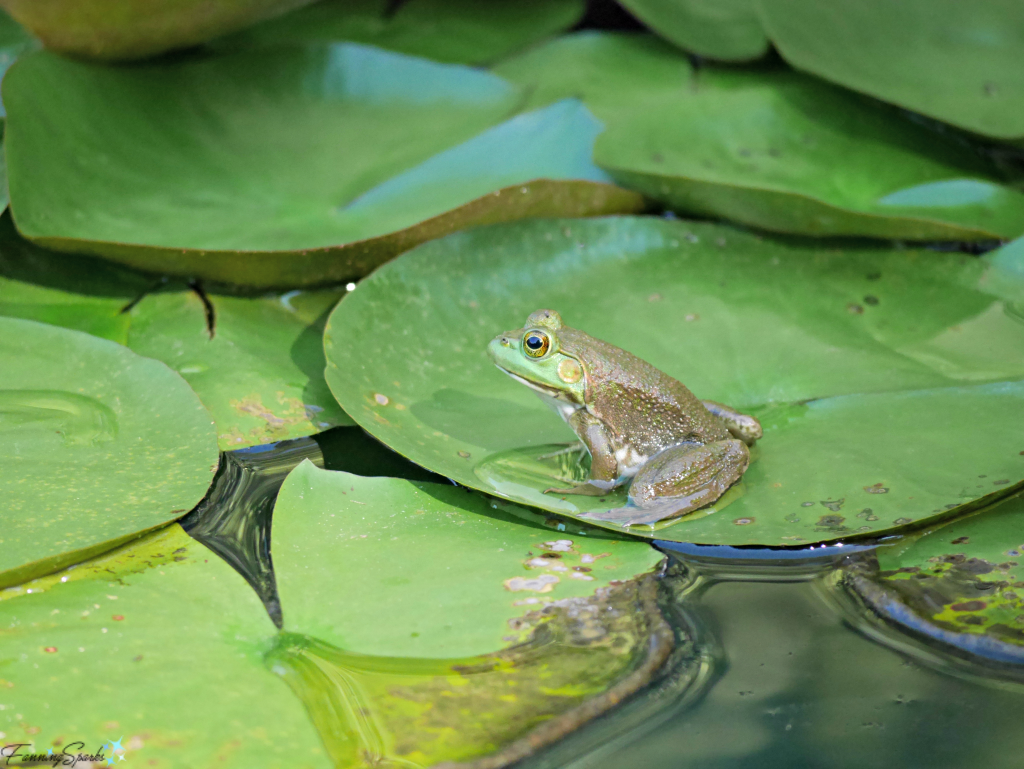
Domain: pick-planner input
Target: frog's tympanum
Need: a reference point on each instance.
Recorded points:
(639, 424)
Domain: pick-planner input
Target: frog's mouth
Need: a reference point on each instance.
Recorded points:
(550, 392)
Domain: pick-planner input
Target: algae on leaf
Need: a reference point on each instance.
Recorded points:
(958, 584)
(99, 446)
(769, 148)
(289, 166)
(858, 359)
(427, 623)
(456, 31)
(165, 642)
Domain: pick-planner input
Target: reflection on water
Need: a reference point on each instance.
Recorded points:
(775, 663)
(799, 688)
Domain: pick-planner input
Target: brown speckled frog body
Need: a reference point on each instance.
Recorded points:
(640, 425)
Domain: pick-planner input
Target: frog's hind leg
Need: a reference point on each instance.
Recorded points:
(680, 480)
(742, 426)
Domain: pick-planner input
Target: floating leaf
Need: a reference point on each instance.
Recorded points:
(953, 61)
(770, 148)
(284, 167)
(959, 584)
(137, 634)
(260, 374)
(857, 359)
(99, 446)
(134, 29)
(457, 31)
(78, 293)
(496, 636)
(718, 29)
(14, 41)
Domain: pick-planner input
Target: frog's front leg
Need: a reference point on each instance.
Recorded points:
(679, 480)
(603, 465)
(741, 426)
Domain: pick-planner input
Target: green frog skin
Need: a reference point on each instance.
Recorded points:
(640, 425)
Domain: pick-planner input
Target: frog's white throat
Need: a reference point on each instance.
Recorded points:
(555, 399)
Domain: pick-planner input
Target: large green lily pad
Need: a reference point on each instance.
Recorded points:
(959, 584)
(260, 374)
(99, 446)
(729, 30)
(427, 623)
(79, 293)
(284, 167)
(133, 29)
(958, 62)
(769, 148)
(458, 31)
(861, 361)
(165, 642)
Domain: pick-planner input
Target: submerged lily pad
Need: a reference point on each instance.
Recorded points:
(960, 584)
(284, 167)
(958, 62)
(770, 148)
(138, 634)
(457, 31)
(859, 361)
(729, 30)
(99, 446)
(260, 371)
(426, 623)
(133, 29)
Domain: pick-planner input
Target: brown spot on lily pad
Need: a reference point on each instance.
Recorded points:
(831, 521)
(835, 505)
(743, 521)
(902, 521)
(968, 606)
(960, 541)
(854, 309)
(464, 454)
(876, 489)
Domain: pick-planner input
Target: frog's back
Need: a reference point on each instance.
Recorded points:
(644, 405)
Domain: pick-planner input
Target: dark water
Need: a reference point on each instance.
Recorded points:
(795, 673)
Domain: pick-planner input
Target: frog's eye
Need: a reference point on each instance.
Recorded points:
(536, 344)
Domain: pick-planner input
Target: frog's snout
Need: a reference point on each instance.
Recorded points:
(499, 344)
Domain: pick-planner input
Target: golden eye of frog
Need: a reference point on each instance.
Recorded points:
(640, 425)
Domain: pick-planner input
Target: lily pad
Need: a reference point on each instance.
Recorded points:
(137, 634)
(134, 29)
(80, 293)
(859, 360)
(729, 30)
(14, 41)
(426, 623)
(257, 363)
(769, 148)
(960, 584)
(953, 61)
(99, 446)
(287, 167)
(456, 31)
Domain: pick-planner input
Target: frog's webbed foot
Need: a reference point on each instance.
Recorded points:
(585, 489)
(680, 480)
(741, 426)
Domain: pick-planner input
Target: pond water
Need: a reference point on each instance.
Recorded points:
(793, 670)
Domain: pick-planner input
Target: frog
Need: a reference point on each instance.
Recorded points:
(640, 426)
